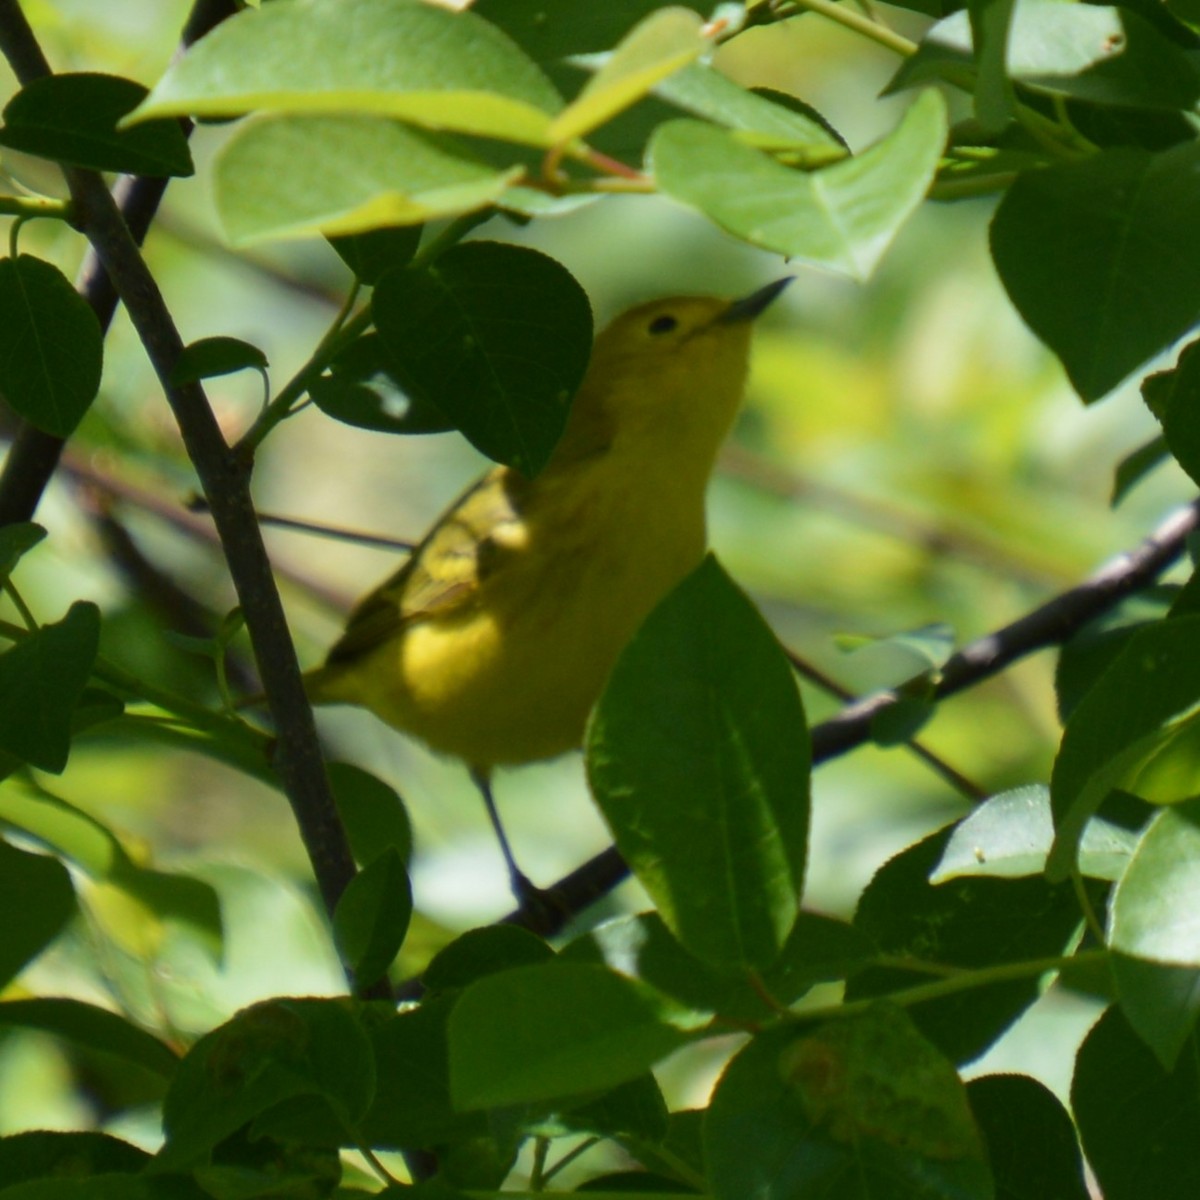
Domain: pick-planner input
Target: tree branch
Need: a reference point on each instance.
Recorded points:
(224, 476)
(1050, 624)
(34, 455)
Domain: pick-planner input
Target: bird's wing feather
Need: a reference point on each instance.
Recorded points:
(445, 572)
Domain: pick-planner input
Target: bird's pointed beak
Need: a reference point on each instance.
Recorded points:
(748, 307)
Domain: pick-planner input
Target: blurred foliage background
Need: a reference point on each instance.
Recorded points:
(908, 455)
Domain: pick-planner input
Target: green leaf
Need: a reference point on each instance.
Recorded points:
(1084, 659)
(296, 175)
(967, 923)
(1126, 726)
(16, 540)
(1030, 1138)
(765, 119)
(372, 917)
(372, 812)
(391, 58)
(92, 1028)
(497, 337)
(50, 346)
(555, 1029)
(1010, 835)
(1154, 906)
(573, 26)
(1174, 398)
(412, 1046)
(43, 1154)
(1160, 1002)
(372, 254)
(635, 1109)
(819, 949)
(37, 899)
(360, 392)
(658, 46)
(72, 118)
(268, 1054)
(1094, 256)
(480, 952)
(858, 1109)
(1136, 465)
(698, 756)
(842, 217)
(41, 679)
(1092, 53)
(214, 356)
(1136, 1120)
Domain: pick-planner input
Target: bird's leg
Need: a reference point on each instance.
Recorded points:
(523, 888)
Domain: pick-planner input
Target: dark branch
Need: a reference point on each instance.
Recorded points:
(34, 455)
(225, 480)
(1051, 624)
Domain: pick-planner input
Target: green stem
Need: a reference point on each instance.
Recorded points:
(971, 186)
(568, 1158)
(964, 982)
(344, 329)
(35, 206)
(893, 41)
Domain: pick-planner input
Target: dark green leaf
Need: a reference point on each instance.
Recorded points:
(372, 812)
(268, 1054)
(557, 1029)
(1136, 465)
(1093, 53)
(641, 1182)
(50, 346)
(497, 337)
(412, 1105)
(372, 254)
(41, 679)
(1085, 658)
(842, 217)
(295, 175)
(571, 26)
(1160, 1002)
(72, 118)
(971, 923)
(1136, 1120)
(395, 58)
(16, 540)
(43, 1154)
(213, 356)
(858, 1109)
(631, 1110)
(480, 952)
(1030, 1139)
(698, 756)
(115, 1185)
(1094, 256)
(360, 392)
(1134, 730)
(1174, 398)
(37, 899)
(372, 917)
(93, 1028)
(818, 949)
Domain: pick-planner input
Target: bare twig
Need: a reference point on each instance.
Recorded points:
(1050, 624)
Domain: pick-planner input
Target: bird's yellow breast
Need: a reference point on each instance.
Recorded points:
(512, 677)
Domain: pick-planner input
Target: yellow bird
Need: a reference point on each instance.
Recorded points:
(494, 640)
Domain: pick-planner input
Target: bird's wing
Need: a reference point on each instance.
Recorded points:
(445, 572)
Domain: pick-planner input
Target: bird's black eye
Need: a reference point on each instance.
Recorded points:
(663, 324)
